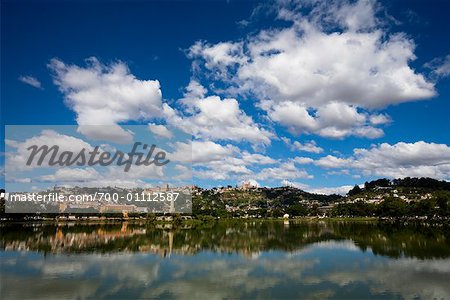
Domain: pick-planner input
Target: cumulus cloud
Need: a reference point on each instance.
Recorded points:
(244, 166)
(160, 130)
(214, 118)
(440, 67)
(286, 170)
(228, 162)
(379, 119)
(303, 160)
(202, 151)
(106, 94)
(214, 161)
(219, 57)
(18, 171)
(331, 161)
(340, 190)
(322, 73)
(309, 146)
(297, 185)
(113, 132)
(17, 159)
(333, 120)
(72, 175)
(32, 81)
(420, 159)
(217, 171)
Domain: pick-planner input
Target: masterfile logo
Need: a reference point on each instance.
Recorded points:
(60, 168)
(97, 157)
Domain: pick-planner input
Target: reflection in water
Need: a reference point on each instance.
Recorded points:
(224, 260)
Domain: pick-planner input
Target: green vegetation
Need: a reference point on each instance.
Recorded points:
(258, 202)
(408, 198)
(417, 198)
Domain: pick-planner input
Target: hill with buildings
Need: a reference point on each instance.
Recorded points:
(258, 202)
(409, 197)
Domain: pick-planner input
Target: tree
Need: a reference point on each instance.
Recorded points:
(392, 207)
(442, 200)
(354, 191)
(297, 210)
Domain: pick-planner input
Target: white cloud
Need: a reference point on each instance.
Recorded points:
(286, 170)
(19, 180)
(340, 190)
(218, 56)
(223, 172)
(32, 81)
(379, 119)
(213, 118)
(230, 163)
(315, 67)
(440, 66)
(184, 172)
(202, 152)
(303, 160)
(195, 90)
(141, 172)
(331, 161)
(112, 176)
(160, 130)
(356, 16)
(255, 158)
(297, 185)
(216, 162)
(16, 160)
(94, 177)
(210, 151)
(106, 94)
(309, 146)
(323, 72)
(113, 133)
(333, 120)
(72, 174)
(420, 159)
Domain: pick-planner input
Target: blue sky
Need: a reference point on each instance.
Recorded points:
(274, 92)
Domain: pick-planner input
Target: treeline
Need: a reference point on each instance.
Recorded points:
(407, 182)
(423, 182)
(397, 208)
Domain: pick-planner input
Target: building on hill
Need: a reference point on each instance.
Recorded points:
(247, 185)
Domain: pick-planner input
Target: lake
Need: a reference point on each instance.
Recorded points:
(227, 259)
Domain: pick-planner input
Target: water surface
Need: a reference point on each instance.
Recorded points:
(253, 259)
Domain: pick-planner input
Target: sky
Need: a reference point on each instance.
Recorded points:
(320, 95)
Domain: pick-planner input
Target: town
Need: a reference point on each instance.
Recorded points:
(419, 198)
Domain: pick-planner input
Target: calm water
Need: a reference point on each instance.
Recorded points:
(224, 260)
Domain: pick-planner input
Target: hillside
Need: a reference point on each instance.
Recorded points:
(408, 197)
(382, 197)
(263, 202)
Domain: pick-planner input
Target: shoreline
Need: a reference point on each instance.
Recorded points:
(211, 220)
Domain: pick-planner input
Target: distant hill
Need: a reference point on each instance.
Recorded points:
(410, 197)
(408, 184)
(258, 201)
(381, 197)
